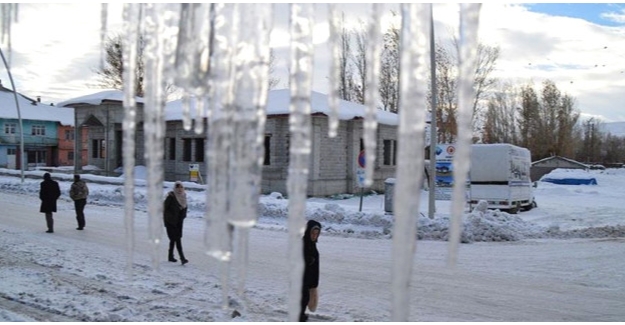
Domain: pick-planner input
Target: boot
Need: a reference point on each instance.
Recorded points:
(180, 253)
(171, 252)
(49, 222)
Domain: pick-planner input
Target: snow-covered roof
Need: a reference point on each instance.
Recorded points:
(32, 110)
(98, 98)
(562, 158)
(278, 104)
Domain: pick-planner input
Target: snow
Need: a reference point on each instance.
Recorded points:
(561, 261)
(278, 102)
(563, 173)
(98, 97)
(33, 110)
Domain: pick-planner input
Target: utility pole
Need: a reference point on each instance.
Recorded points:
(433, 140)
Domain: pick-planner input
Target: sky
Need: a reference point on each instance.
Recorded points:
(578, 46)
(561, 261)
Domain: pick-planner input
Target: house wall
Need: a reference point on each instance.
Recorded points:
(104, 123)
(539, 169)
(178, 169)
(39, 146)
(332, 165)
(66, 137)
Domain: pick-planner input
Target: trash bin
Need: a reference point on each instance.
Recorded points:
(389, 188)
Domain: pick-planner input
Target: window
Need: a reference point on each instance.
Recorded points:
(98, 148)
(9, 128)
(36, 157)
(267, 160)
(11, 151)
(390, 152)
(38, 130)
(172, 148)
(95, 148)
(186, 149)
(102, 149)
(199, 150)
(69, 135)
(70, 155)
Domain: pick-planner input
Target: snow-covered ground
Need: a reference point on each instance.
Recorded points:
(562, 261)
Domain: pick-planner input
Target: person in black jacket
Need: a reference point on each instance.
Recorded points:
(174, 212)
(49, 192)
(311, 265)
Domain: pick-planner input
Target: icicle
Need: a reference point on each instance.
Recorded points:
(159, 27)
(372, 94)
(103, 20)
(217, 235)
(411, 135)
(218, 232)
(9, 16)
(469, 20)
(191, 69)
(198, 126)
(251, 72)
(131, 27)
(300, 129)
(186, 112)
(334, 73)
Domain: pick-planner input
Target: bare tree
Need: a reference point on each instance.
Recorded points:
(110, 76)
(501, 122)
(389, 72)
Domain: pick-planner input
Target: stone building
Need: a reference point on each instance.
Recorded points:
(333, 162)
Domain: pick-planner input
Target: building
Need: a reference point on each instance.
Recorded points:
(99, 118)
(41, 125)
(546, 165)
(333, 162)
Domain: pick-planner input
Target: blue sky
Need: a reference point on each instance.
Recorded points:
(605, 14)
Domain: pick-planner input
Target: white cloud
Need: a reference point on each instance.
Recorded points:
(57, 61)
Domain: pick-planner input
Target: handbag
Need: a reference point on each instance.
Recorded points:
(314, 299)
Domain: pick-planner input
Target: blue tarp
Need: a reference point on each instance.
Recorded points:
(571, 181)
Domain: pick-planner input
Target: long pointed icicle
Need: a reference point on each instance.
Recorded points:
(372, 93)
(103, 19)
(250, 98)
(302, 51)
(334, 73)
(159, 27)
(411, 135)
(469, 20)
(131, 40)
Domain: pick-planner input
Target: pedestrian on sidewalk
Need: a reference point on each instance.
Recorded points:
(79, 192)
(174, 212)
(49, 192)
(310, 281)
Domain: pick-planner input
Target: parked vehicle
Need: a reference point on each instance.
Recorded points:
(500, 175)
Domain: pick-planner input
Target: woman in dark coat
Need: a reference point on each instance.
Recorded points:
(175, 210)
(311, 265)
(49, 192)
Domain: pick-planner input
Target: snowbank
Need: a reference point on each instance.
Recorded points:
(340, 217)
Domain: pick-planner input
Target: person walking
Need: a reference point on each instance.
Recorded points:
(311, 266)
(79, 192)
(175, 210)
(49, 192)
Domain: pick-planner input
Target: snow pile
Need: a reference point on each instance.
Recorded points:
(340, 215)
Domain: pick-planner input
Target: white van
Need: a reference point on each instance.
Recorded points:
(500, 175)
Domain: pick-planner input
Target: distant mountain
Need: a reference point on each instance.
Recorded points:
(615, 128)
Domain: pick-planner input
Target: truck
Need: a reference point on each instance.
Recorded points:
(500, 174)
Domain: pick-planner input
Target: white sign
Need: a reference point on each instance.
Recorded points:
(360, 175)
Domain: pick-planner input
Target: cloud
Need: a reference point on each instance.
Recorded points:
(617, 17)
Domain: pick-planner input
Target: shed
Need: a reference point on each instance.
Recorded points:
(544, 166)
